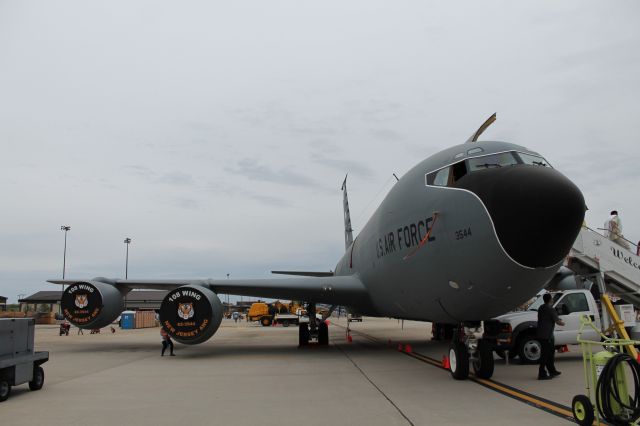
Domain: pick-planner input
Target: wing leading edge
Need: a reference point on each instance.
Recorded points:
(336, 290)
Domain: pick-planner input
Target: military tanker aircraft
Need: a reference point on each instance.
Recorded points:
(462, 237)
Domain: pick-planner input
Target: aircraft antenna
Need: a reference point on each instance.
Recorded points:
(474, 137)
(348, 231)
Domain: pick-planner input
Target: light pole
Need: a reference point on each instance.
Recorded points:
(65, 228)
(127, 241)
(228, 307)
(20, 297)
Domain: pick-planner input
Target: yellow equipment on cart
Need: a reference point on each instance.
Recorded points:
(608, 374)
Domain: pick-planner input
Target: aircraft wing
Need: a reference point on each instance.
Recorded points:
(336, 290)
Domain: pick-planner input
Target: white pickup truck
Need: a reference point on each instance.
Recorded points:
(518, 329)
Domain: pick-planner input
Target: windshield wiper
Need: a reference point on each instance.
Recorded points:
(487, 165)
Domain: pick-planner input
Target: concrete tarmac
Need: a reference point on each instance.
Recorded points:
(252, 375)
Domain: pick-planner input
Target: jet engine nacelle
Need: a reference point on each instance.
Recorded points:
(92, 304)
(191, 314)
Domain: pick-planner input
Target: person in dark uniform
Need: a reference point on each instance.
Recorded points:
(166, 342)
(547, 320)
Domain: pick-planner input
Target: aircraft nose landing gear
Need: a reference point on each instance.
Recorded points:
(467, 346)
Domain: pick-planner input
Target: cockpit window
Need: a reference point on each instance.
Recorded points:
(441, 177)
(533, 160)
(447, 176)
(501, 159)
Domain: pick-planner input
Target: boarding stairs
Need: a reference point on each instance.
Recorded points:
(593, 253)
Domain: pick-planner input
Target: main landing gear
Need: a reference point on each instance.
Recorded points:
(315, 331)
(467, 347)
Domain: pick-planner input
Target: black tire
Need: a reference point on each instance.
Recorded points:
(265, 321)
(285, 323)
(529, 349)
(5, 390)
(38, 379)
(483, 366)
(303, 335)
(458, 361)
(323, 334)
(582, 410)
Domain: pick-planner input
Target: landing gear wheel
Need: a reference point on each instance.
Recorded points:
(265, 321)
(285, 323)
(38, 379)
(5, 390)
(582, 410)
(483, 365)
(303, 335)
(459, 361)
(323, 334)
(529, 350)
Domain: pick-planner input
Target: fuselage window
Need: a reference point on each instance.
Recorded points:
(501, 159)
(533, 160)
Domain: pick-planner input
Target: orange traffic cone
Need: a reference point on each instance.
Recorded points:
(407, 348)
(445, 362)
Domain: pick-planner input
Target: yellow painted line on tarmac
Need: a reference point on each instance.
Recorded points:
(517, 394)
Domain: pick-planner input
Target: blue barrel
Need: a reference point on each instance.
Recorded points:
(128, 320)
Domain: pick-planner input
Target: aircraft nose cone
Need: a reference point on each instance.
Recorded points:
(537, 211)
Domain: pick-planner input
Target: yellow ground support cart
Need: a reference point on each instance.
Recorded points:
(612, 380)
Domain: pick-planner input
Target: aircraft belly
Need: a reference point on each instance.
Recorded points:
(461, 274)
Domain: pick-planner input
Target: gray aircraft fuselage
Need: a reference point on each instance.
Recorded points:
(501, 221)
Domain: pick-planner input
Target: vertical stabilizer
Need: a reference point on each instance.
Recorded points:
(348, 232)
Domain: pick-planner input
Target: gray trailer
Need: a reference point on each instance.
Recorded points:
(18, 362)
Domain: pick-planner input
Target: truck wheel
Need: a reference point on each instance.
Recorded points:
(5, 390)
(483, 366)
(459, 361)
(323, 334)
(265, 321)
(529, 349)
(303, 335)
(582, 410)
(38, 379)
(285, 323)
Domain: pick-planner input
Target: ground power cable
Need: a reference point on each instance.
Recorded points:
(374, 385)
(608, 392)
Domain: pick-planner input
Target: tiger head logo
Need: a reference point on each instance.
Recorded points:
(185, 310)
(82, 300)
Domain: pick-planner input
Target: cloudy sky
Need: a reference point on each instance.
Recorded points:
(216, 134)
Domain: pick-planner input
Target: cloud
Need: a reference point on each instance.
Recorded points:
(177, 178)
(343, 165)
(250, 169)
